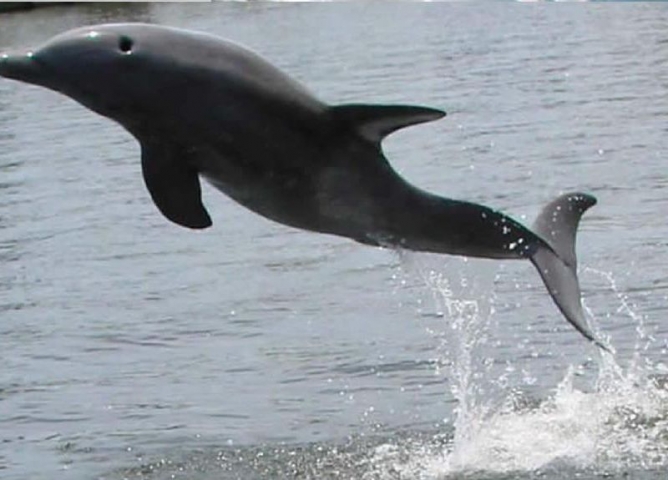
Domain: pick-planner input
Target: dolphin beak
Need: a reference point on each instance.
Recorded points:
(22, 66)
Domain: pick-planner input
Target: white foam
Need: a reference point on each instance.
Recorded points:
(621, 424)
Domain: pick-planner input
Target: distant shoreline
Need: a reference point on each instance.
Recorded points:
(22, 6)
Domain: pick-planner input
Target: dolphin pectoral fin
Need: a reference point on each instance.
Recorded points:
(374, 122)
(557, 224)
(174, 185)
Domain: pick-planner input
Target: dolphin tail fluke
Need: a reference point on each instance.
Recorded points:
(557, 224)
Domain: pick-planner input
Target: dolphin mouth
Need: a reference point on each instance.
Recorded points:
(22, 66)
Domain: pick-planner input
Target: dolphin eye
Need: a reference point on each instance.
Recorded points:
(125, 44)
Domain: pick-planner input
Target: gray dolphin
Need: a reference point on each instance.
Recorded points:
(203, 106)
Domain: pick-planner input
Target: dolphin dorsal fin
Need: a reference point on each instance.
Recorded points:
(375, 122)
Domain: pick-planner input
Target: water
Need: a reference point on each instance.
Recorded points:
(131, 348)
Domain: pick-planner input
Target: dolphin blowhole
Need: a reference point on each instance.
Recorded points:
(125, 44)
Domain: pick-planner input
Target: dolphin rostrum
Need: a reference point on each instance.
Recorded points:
(203, 106)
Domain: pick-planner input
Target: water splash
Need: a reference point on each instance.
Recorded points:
(643, 339)
(467, 308)
(619, 427)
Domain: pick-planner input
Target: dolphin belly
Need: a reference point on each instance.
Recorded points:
(279, 194)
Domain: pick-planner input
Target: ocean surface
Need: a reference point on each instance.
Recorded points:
(131, 348)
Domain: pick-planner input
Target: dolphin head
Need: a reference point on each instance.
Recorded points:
(98, 66)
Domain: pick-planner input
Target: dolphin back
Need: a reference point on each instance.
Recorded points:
(557, 225)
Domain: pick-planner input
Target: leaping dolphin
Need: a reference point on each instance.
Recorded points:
(203, 106)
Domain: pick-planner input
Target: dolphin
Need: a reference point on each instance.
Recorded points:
(202, 106)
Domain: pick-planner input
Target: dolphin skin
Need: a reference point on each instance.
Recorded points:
(201, 106)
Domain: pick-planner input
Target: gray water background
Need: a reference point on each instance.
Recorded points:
(126, 341)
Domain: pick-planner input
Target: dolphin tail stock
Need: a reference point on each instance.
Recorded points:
(557, 225)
